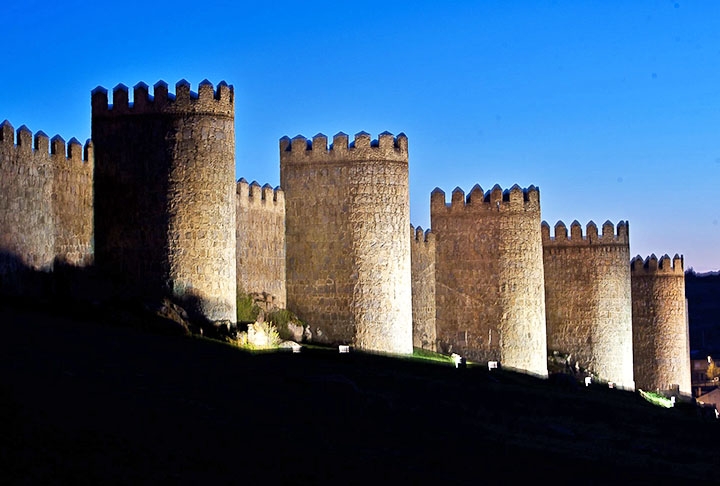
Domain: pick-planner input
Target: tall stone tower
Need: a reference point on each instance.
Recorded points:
(348, 245)
(587, 298)
(165, 194)
(660, 328)
(489, 272)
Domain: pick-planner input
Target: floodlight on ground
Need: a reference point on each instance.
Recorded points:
(588, 380)
(492, 365)
(343, 348)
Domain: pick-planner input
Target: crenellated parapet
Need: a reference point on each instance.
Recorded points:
(23, 142)
(654, 266)
(609, 235)
(386, 147)
(494, 200)
(418, 235)
(207, 100)
(253, 195)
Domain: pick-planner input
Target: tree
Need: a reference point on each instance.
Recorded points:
(713, 370)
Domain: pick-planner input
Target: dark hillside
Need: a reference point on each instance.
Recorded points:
(86, 403)
(703, 294)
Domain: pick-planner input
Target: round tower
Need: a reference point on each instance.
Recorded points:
(165, 194)
(348, 248)
(587, 298)
(660, 327)
(489, 272)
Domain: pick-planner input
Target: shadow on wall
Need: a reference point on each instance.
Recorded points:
(67, 288)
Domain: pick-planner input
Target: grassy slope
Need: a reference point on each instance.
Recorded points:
(86, 403)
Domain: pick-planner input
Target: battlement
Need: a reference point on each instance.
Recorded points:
(387, 147)
(207, 100)
(496, 199)
(417, 235)
(608, 237)
(22, 140)
(254, 195)
(652, 266)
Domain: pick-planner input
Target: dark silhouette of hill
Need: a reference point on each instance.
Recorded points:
(703, 295)
(84, 402)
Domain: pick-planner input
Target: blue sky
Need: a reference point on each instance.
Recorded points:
(611, 108)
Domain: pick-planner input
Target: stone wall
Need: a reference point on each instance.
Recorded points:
(45, 209)
(73, 202)
(261, 243)
(348, 247)
(27, 238)
(587, 298)
(489, 272)
(166, 195)
(422, 256)
(660, 327)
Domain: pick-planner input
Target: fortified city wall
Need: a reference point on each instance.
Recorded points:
(153, 204)
(661, 340)
(422, 256)
(489, 276)
(261, 243)
(588, 299)
(348, 247)
(166, 194)
(45, 208)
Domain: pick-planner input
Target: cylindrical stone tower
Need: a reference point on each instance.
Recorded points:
(489, 271)
(660, 328)
(348, 245)
(165, 194)
(587, 298)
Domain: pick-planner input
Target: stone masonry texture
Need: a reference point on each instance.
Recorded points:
(348, 245)
(45, 208)
(151, 204)
(422, 256)
(261, 242)
(661, 341)
(489, 276)
(588, 300)
(166, 194)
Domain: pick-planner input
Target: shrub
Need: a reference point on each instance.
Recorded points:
(247, 309)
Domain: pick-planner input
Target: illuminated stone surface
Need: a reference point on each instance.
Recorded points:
(660, 327)
(587, 298)
(422, 255)
(46, 213)
(489, 271)
(348, 245)
(165, 193)
(260, 236)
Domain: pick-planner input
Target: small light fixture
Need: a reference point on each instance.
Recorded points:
(457, 359)
(344, 348)
(492, 365)
(588, 380)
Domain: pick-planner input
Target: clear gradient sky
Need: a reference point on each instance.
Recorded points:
(611, 108)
